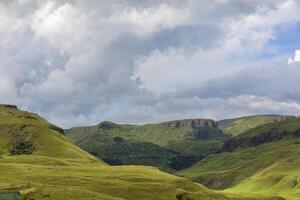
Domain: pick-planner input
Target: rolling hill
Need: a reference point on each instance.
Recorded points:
(170, 145)
(26, 133)
(38, 162)
(261, 160)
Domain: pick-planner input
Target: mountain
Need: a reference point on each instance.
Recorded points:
(38, 162)
(170, 145)
(262, 160)
(239, 125)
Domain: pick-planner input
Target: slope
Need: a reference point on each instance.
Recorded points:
(237, 126)
(264, 160)
(90, 181)
(26, 133)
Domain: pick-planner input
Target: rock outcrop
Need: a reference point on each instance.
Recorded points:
(256, 140)
(8, 106)
(192, 123)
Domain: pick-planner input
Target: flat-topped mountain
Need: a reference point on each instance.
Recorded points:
(169, 145)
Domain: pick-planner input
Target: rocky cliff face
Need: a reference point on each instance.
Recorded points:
(192, 123)
(262, 138)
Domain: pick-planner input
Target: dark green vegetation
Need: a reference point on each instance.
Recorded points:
(262, 160)
(170, 146)
(38, 162)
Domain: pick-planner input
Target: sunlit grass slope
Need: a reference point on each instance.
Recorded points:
(270, 168)
(46, 139)
(237, 126)
(63, 180)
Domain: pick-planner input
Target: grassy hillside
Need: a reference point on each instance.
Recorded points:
(26, 133)
(169, 146)
(62, 180)
(266, 133)
(38, 162)
(237, 126)
(268, 167)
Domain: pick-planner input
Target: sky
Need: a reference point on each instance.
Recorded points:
(80, 62)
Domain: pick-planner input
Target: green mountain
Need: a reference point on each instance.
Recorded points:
(170, 145)
(237, 126)
(261, 160)
(38, 162)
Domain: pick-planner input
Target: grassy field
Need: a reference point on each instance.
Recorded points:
(60, 179)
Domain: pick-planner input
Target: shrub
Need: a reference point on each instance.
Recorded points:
(22, 145)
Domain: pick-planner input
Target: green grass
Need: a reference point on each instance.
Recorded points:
(270, 169)
(240, 125)
(68, 179)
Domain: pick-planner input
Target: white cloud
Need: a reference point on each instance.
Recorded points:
(136, 61)
(244, 37)
(195, 107)
(249, 33)
(147, 20)
(296, 58)
(164, 72)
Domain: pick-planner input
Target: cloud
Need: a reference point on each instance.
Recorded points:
(80, 62)
(215, 108)
(296, 57)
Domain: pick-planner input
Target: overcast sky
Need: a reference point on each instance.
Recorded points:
(79, 62)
